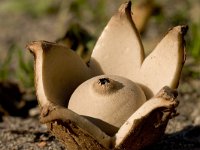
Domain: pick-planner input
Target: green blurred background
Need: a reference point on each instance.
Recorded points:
(79, 23)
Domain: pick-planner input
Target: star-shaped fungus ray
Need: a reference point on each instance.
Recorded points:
(58, 72)
(119, 51)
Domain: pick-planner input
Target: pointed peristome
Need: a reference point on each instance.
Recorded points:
(58, 71)
(119, 50)
(108, 95)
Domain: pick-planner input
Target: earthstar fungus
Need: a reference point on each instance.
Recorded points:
(122, 100)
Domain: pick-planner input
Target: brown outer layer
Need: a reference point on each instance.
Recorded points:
(73, 137)
(184, 30)
(144, 131)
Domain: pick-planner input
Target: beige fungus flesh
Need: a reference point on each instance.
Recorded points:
(56, 68)
(124, 56)
(108, 105)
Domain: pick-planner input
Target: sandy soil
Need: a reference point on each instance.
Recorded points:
(182, 133)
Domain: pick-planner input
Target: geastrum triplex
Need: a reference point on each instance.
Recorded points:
(121, 100)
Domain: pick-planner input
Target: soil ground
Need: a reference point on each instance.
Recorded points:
(182, 133)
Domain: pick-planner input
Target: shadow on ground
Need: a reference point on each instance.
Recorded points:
(186, 139)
